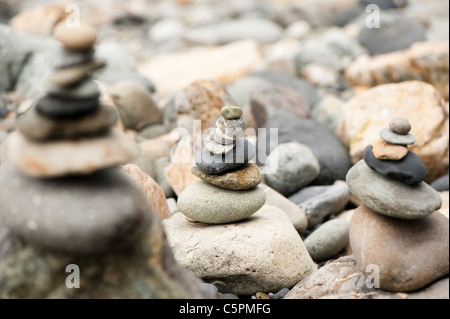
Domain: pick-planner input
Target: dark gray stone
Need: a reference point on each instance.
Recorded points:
(81, 214)
(409, 170)
(57, 107)
(241, 154)
(145, 270)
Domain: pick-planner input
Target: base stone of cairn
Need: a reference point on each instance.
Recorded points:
(65, 202)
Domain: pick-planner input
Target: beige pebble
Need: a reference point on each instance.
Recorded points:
(386, 151)
(75, 38)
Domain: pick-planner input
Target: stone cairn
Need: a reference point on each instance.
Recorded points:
(64, 155)
(228, 188)
(389, 183)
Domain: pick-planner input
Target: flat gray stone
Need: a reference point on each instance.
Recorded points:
(290, 167)
(82, 215)
(395, 138)
(319, 202)
(211, 204)
(390, 197)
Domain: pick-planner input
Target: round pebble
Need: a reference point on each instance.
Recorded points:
(231, 112)
(395, 138)
(400, 125)
(81, 38)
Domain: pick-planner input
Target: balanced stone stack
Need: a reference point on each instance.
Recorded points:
(228, 188)
(63, 190)
(397, 227)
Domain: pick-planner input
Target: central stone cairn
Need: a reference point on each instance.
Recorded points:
(397, 227)
(228, 190)
(64, 200)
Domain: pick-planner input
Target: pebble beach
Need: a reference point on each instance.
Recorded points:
(216, 149)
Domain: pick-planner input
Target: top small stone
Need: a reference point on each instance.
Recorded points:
(77, 38)
(400, 125)
(231, 112)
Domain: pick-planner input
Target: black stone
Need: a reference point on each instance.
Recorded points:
(57, 107)
(241, 154)
(409, 170)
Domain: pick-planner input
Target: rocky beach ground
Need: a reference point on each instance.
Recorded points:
(275, 149)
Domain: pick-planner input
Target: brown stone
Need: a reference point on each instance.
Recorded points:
(386, 151)
(151, 188)
(179, 172)
(409, 254)
(40, 19)
(245, 177)
(201, 100)
(72, 156)
(365, 115)
(423, 61)
(135, 104)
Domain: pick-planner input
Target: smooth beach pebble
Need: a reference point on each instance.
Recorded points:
(231, 112)
(77, 38)
(210, 204)
(400, 125)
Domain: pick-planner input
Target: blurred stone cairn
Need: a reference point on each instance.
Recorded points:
(65, 200)
(397, 228)
(228, 188)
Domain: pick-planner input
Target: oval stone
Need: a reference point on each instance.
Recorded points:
(210, 204)
(79, 38)
(80, 214)
(395, 138)
(328, 239)
(400, 125)
(390, 197)
(231, 112)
